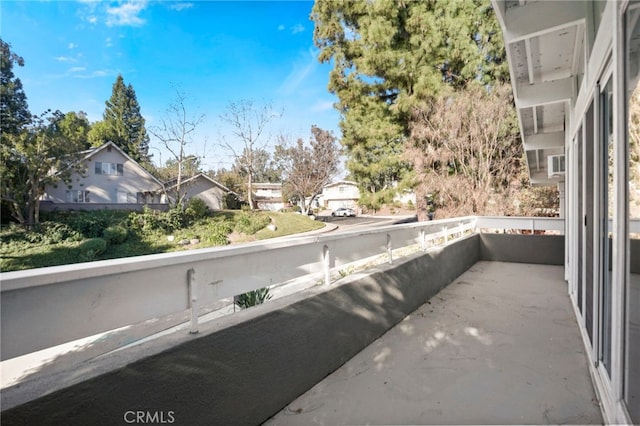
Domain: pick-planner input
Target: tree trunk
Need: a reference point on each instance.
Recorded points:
(422, 208)
(250, 189)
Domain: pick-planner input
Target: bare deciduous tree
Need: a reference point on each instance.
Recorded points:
(175, 133)
(466, 153)
(634, 154)
(248, 123)
(308, 168)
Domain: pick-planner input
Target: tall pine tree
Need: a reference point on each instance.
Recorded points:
(390, 57)
(123, 123)
(14, 111)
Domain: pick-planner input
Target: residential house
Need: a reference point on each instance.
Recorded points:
(111, 180)
(202, 186)
(268, 196)
(343, 193)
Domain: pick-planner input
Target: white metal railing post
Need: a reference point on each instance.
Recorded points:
(193, 295)
(326, 257)
(446, 235)
(389, 249)
(423, 240)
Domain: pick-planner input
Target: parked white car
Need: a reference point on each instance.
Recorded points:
(343, 212)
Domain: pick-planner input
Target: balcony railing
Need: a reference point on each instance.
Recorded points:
(45, 307)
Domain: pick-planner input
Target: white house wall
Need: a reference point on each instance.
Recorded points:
(103, 189)
(340, 195)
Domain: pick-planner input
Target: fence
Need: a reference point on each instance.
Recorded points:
(44, 307)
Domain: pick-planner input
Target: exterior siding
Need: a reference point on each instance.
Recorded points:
(211, 194)
(104, 189)
(340, 194)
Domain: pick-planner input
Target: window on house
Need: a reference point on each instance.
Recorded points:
(144, 198)
(77, 196)
(110, 169)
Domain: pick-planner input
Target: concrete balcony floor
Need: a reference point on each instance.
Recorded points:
(500, 345)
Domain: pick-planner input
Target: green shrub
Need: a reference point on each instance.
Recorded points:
(43, 233)
(196, 208)
(92, 248)
(252, 298)
(250, 223)
(216, 233)
(116, 234)
(54, 233)
(150, 220)
(173, 219)
(296, 209)
(90, 224)
(231, 202)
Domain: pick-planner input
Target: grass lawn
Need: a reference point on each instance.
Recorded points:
(287, 224)
(81, 237)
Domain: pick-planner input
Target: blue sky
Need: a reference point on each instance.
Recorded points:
(216, 52)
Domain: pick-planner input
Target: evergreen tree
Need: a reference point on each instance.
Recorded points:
(123, 123)
(14, 111)
(390, 57)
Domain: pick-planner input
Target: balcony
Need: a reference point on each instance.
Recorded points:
(470, 326)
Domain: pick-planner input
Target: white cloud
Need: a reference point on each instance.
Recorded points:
(322, 106)
(87, 10)
(72, 46)
(180, 6)
(108, 42)
(64, 59)
(126, 14)
(281, 27)
(81, 72)
(297, 29)
(304, 66)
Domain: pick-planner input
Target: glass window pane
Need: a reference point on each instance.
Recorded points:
(607, 232)
(632, 334)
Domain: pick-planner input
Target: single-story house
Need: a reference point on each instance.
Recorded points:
(112, 180)
(202, 186)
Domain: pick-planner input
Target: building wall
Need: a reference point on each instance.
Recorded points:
(273, 206)
(342, 194)
(107, 189)
(208, 192)
(598, 128)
